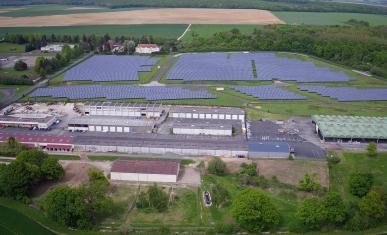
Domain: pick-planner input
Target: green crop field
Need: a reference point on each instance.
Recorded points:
(210, 29)
(324, 18)
(13, 222)
(155, 30)
(46, 10)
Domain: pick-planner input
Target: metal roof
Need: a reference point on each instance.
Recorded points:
(206, 110)
(202, 124)
(111, 121)
(272, 147)
(332, 126)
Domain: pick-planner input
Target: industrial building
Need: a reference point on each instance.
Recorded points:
(121, 109)
(220, 113)
(202, 127)
(145, 171)
(28, 121)
(147, 48)
(268, 149)
(111, 124)
(48, 142)
(350, 128)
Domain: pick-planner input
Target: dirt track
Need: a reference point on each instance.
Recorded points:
(149, 16)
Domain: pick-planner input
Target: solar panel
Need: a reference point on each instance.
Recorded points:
(114, 92)
(348, 93)
(104, 68)
(268, 92)
(222, 66)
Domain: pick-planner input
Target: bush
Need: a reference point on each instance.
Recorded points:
(248, 169)
(373, 206)
(333, 159)
(226, 228)
(310, 213)
(254, 210)
(372, 150)
(262, 182)
(142, 201)
(158, 199)
(219, 195)
(51, 169)
(20, 66)
(309, 184)
(216, 166)
(360, 183)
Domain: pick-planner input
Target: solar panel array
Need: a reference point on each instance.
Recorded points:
(104, 68)
(348, 93)
(121, 92)
(238, 67)
(211, 66)
(268, 92)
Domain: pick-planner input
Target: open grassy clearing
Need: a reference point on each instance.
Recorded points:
(11, 48)
(64, 157)
(207, 30)
(135, 30)
(357, 162)
(328, 18)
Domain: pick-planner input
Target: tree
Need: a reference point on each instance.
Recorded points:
(20, 66)
(32, 156)
(311, 213)
(254, 210)
(372, 150)
(216, 166)
(360, 183)
(51, 169)
(17, 178)
(308, 184)
(158, 199)
(334, 208)
(372, 205)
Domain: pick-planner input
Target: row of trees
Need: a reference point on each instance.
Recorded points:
(274, 5)
(30, 168)
(361, 47)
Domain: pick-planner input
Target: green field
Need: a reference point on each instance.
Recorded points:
(324, 18)
(10, 48)
(46, 10)
(13, 222)
(64, 157)
(357, 162)
(162, 30)
(207, 30)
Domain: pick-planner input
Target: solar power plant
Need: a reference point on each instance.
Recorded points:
(268, 92)
(348, 93)
(222, 66)
(212, 67)
(104, 68)
(114, 92)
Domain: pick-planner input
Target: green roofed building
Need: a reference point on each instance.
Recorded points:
(350, 128)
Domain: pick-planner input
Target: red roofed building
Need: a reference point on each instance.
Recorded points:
(49, 142)
(145, 170)
(147, 48)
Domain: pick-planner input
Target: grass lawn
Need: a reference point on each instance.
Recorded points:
(13, 222)
(65, 157)
(156, 30)
(11, 48)
(324, 18)
(207, 30)
(10, 72)
(102, 158)
(357, 162)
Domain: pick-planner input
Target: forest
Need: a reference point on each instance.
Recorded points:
(360, 46)
(273, 5)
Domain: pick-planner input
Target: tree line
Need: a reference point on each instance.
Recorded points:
(360, 47)
(273, 5)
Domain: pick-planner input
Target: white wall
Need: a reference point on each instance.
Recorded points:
(143, 177)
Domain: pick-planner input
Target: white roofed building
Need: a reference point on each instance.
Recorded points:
(147, 48)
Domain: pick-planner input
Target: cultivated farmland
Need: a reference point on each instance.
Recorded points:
(149, 16)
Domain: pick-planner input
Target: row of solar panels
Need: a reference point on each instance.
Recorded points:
(222, 66)
(103, 68)
(114, 92)
(348, 93)
(266, 92)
